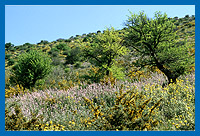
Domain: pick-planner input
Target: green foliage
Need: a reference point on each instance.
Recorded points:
(56, 61)
(54, 50)
(153, 41)
(56, 75)
(77, 65)
(105, 48)
(8, 46)
(12, 49)
(60, 40)
(129, 113)
(63, 46)
(112, 111)
(68, 40)
(11, 62)
(117, 72)
(159, 45)
(94, 75)
(15, 91)
(18, 122)
(177, 110)
(67, 70)
(73, 56)
(45, 42)
(31, 67)
(7, 56)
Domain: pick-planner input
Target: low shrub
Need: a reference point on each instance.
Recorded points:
(130, 112)
(15, 91)
(16, 121)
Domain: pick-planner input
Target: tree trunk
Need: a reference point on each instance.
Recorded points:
(170, 76)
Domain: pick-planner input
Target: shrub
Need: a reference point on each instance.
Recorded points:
(8, 46)
(68, 40)
(94, 75)
(11, 62)
(14, 91)
(63, 46)
(31, 67)
(73, 56)
(7, 56)
(57, 73)
(18, 122)
(130, 112)
(77, 65)
(60, 40)
(56, 61)
(12, 49)
(67, 70)
(45, 42)
(7, 78)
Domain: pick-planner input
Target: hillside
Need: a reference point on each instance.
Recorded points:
(111, 80)
(185, 28)
(66, 53)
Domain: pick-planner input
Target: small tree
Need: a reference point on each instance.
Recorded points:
(154, 42)
(63, 46)
(73, 55)
(31, 67)
(104, 49)
(8, 46)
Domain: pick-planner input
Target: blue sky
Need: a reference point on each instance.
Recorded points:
(31, 24)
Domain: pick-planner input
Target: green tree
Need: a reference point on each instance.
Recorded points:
(105, 49)
(8, 45)
(73, 55)
(11, 61)
(63, 46)
(154, 42)
(30, 67)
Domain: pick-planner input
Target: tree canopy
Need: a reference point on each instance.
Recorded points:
(155, 43)
(104, 49)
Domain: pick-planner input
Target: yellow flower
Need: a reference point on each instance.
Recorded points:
(73, 123)
(177, 125)
(89, 123)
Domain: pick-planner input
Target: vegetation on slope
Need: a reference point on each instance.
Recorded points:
(143, 74)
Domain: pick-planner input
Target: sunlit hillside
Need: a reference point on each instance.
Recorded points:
(129, 79)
